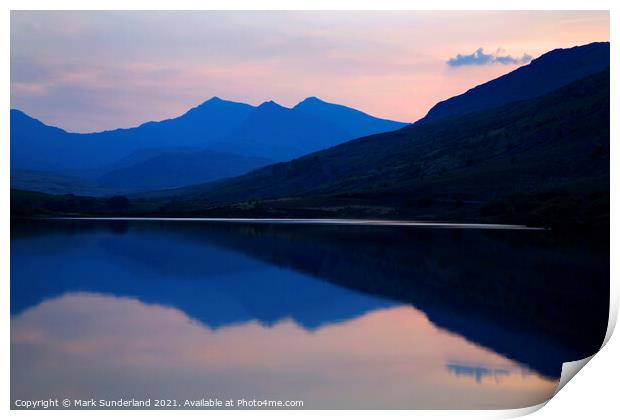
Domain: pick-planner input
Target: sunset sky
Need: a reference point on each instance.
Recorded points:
(90, 71)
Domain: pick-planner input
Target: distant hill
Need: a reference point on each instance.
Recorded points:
(145, 170)
(177, 168)
(550, 71)
(554, 144)
(58, 183)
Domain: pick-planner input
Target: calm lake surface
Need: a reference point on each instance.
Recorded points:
(339, 316)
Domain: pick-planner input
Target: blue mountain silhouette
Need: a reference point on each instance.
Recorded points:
(239, 137)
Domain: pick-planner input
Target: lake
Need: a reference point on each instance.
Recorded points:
(335, 315)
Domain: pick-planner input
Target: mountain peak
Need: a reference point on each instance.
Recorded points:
(270, 105)
(20, 117)
(217, 104)
(310, 101)
(213, 100)
(20, 113)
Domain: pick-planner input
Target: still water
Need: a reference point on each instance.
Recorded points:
(338, 316)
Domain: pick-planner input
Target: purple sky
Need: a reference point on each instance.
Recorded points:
(89, 71)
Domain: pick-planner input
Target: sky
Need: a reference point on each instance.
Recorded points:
(96, 70)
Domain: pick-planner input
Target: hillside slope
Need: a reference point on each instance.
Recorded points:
(550, 71)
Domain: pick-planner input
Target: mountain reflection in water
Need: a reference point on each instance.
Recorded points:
(339, 316)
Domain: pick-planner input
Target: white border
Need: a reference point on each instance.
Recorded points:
(593, 394)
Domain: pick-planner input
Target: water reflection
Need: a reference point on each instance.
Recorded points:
(320, 313)
(82, 345)
(209, 283)
(478, 373)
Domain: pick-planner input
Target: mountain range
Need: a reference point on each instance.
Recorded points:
(554, 147)
(531, 146)
(213, 140)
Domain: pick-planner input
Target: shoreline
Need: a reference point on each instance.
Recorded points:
(316, 221)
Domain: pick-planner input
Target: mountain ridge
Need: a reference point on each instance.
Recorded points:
(198, 108)
(544, 74)
(266, 133)
(554, 147)
(203, 126)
